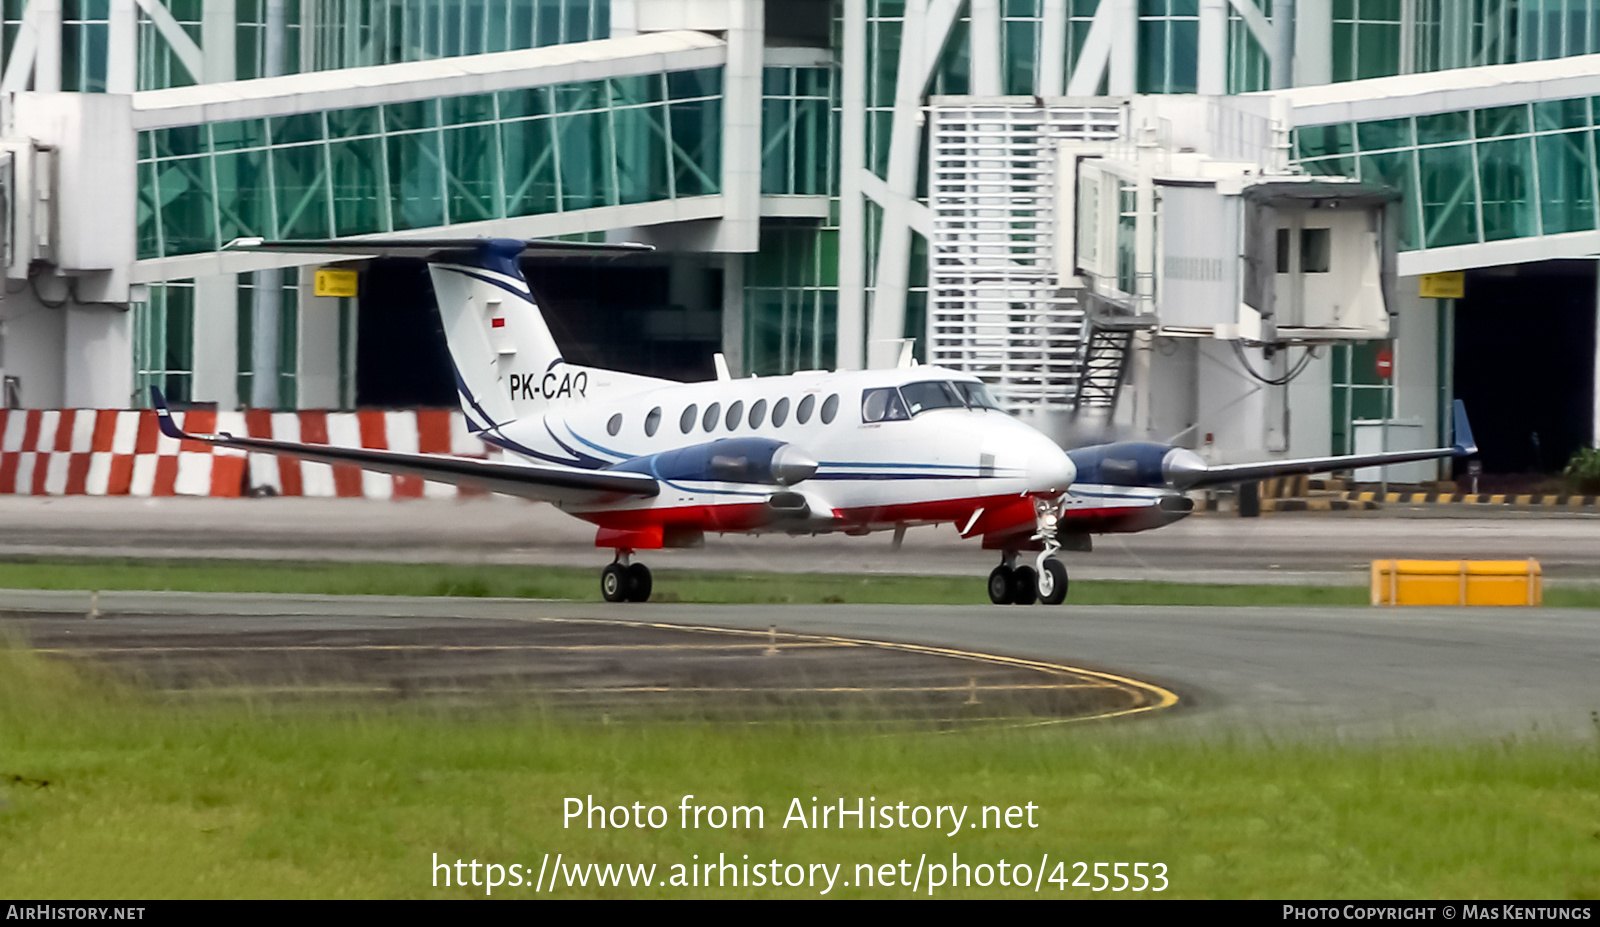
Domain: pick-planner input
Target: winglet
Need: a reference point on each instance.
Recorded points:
(164, 415)
(1464, 444)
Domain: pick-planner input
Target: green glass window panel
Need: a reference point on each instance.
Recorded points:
(179, 330)
(288, 344)
(686, 85)
(347, 123)
(1449, 207)
(1505, 179)
(243, 205)
(232, 136)
(1566, 182)
(147, 146)
(1183, 72)
(813, 82)
(1444, 127)
(1554, 115)
(697, 147)
(300, 182)
(775, 81)
(293, 130)
(549, 22)
(1377, 50)
(1320, 141)
(528, 150)
(462, 110)
(1344, 9)
(585, 164)
(572, 98)
(515, 104)
(1344, 46)
(472, 173)
(1501, 120)
(1152, 56)
(419, 114)
(1021, 48)
(358, 194)
(146, 215)
(1385, 133)
(632, 91)
(812, 154)
(576, 21)
(1331, 167)
(180, 141)
(1395, 169)
(1152, 7)
(776, 135)
(416, 183)
(1367, 404)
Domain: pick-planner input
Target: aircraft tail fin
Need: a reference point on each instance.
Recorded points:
(507, 364)
(1462, 435)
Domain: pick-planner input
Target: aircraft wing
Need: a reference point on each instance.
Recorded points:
(1239, 473)
(530, 481)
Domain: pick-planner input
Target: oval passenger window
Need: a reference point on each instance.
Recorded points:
(652, 422)
(830, 408)
(713, 412)
(615, 425)
(802, 414)
(780, 412)
(758, 413)
(686, 421)
(735, 413)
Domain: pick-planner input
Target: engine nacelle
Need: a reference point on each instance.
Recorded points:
(728, 460)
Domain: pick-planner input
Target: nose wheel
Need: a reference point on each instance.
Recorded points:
(1023, 585)
(622, 581)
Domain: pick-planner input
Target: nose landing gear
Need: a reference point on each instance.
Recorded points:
(623, 581)
(1046, 581)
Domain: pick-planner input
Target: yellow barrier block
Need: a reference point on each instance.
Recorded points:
(1457, 582)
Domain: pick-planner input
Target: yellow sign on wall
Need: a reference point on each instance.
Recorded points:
(334, 282)
(1452, 285)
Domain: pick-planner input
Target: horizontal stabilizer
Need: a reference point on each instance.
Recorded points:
(429, 247)
(530, 481)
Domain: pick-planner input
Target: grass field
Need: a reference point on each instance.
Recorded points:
(105, 793)
(670, 585)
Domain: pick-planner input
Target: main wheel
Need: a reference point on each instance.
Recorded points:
(614, 583)
(639, 583)
(1000, 585)
(1058, 583)
(1024, 586)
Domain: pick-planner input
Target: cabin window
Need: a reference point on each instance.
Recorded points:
(802, 413)
(780, 412)
(686, 421)
(652, 422)
(882, 405)
(830, 408)
(932, 394)
(735, 414)
(758, 413)
(713, 412)
(614, 425)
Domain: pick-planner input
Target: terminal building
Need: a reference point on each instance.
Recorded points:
(1252, 227)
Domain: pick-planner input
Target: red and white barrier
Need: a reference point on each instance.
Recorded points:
(118, 452)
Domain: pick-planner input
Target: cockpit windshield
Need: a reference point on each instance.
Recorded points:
(889, 404)
(977, 395)
(932, 394)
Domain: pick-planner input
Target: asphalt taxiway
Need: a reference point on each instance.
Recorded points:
(1313, 672)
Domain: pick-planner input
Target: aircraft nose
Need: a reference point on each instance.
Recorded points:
(1049, 468)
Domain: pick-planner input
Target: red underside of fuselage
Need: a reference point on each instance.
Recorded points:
(1004, 516)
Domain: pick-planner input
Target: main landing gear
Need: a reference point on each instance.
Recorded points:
(1046, 580)
(623, 581)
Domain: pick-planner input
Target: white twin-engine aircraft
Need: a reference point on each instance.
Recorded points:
(655, 463)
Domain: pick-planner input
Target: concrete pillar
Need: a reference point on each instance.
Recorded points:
(1283, 50)
(317, 353)
(216, 340)
(741, 127)
(218, 40)
(1313, 42)
(98, 363)
(1213, 50)
(733, 312)
(267, 294)
(852, 162)
(1124, 47)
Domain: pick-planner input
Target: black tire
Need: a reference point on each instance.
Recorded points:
(639, 583)
(614, 583)
(1000, 585)
(1058, 574)
(1024, 586)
